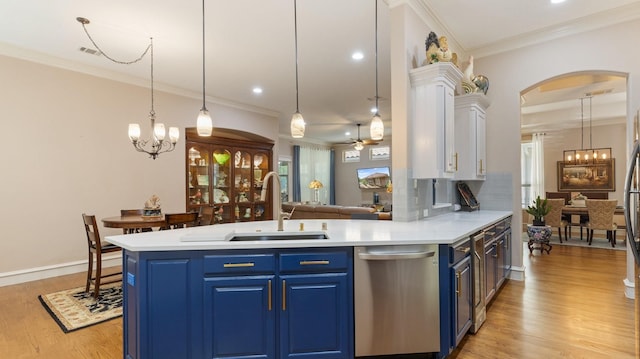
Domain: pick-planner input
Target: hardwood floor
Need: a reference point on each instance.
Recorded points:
(571, 305)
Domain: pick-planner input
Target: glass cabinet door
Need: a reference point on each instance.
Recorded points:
(198, 176)
(261, 162)
(242, 186)
(221, 174)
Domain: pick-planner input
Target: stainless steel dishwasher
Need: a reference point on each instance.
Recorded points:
(396, 300)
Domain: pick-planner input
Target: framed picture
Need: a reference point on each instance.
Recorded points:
(380, 153)
(350, 156)
(598, 176)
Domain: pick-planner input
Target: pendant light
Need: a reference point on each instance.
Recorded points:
(297, 122)
(376, 129)
(204, 123)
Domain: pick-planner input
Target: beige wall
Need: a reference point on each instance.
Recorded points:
(510, 73)
(65, 151)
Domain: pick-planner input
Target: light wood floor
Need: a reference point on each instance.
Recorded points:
(571, 305)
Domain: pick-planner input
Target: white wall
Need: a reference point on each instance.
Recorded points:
(65, 151)
(347, 191)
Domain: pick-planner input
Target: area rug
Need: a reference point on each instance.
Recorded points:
(575, 241)
(75, 309)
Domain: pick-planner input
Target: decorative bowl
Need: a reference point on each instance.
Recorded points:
(221, 158)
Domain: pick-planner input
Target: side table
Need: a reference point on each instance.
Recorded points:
(539, 238)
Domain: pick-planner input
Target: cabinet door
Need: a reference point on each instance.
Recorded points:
(314, 316)
(481, 146)
(490, 270)
(198, 177)
(450, 155)
(500, 259)
(507, 253)
(239, 317)
(462, 298)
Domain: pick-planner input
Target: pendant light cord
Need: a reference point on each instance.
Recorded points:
(582, 123)
(204, 107)
(377, 110)
(84, 22)
(295, 26)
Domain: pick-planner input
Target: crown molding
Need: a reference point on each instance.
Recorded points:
(52, 61)
(600, 20)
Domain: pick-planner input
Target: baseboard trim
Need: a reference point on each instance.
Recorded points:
(629, 289)
(517, 273)
(31, 274)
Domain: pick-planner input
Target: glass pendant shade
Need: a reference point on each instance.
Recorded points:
(376, 129)
(134, 132)
(159, 131)
(174, 134)
(204, 123)
(297, 125)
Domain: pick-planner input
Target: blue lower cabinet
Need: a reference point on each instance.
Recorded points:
(315, 316)
(239, 304)
(239, 317)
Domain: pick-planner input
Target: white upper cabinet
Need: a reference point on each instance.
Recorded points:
(470, 133)
(432, 120)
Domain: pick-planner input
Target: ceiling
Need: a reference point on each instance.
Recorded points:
(251, 43)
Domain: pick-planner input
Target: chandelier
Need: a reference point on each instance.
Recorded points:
(155, 144)
(585, 156)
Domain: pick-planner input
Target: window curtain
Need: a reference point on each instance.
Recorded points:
(315, 164)
(537, 165)
(295, 174)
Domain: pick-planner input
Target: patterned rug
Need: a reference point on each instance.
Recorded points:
(598, 241)
(74, 309)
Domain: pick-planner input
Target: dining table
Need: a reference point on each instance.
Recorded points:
(582, 210)
(132, 222)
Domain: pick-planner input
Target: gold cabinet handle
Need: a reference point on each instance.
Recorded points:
(269, 295)
(310, 263)
(239, 265)
(481, 168)
(456, 157)
(284, 295)
(464, 250)
(458, 284)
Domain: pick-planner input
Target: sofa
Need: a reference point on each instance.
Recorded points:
(313, 211)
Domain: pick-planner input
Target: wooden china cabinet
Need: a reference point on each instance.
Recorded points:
(226, 171)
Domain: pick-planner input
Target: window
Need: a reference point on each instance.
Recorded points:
(283, 173)
(525, 173)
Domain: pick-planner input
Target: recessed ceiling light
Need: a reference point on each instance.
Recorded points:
(257, 90)
(557, 1)
(347, 133)
(374, 110)
(357, 56)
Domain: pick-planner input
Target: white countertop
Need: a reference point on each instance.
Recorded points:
(447, 228)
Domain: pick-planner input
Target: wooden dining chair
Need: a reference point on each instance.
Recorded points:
(206, 215)
(180, 220)
(554, 217)
(601, 213)
(96, 249)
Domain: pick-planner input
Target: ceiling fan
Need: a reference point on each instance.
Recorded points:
(359, 143)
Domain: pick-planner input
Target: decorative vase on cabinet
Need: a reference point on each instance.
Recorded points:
(228, 172)
(432, 122)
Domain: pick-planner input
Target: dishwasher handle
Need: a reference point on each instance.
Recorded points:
(395, 256)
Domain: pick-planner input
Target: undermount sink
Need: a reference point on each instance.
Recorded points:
(276, 236)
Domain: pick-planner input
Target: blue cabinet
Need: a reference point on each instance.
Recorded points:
(239, 304)
(455, 294)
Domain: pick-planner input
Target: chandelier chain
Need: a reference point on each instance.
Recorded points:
(111, 58)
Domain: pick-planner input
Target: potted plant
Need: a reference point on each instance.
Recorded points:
(539, 209)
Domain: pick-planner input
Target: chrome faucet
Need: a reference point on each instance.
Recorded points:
(278, 207)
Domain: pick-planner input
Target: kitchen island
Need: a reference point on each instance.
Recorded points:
(193, 293)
